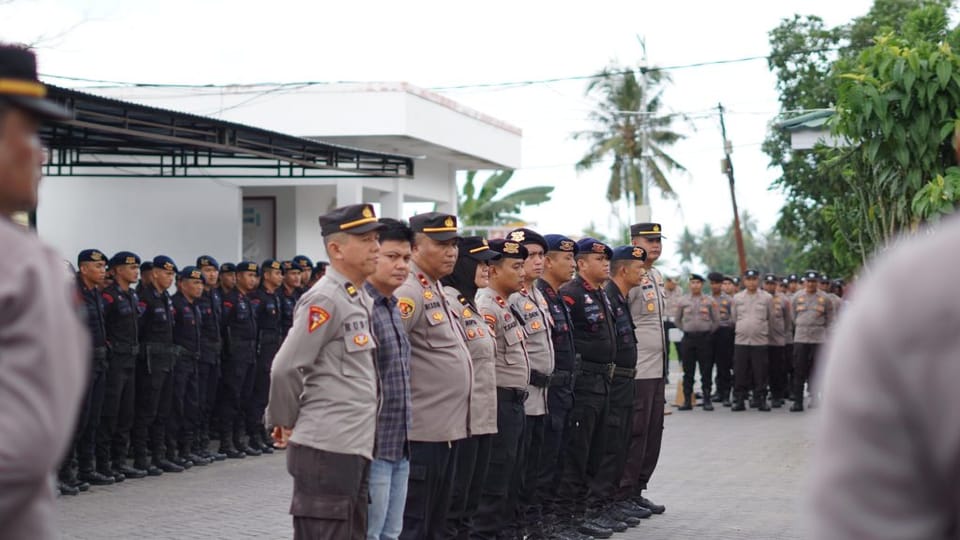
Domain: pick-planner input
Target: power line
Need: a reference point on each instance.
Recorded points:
(506, 84)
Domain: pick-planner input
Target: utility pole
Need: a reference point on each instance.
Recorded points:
(727, 166)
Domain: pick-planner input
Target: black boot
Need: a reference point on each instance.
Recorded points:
(707, 403)
(687, 399)
(128, 471)
(797, 406)
(94, 478)
(738, 405)
(762, 404)
(228, 449)
(140, 462)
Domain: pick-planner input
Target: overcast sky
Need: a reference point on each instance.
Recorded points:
(439, 44)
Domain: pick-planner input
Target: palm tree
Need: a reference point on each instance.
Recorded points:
(485, 208)
(632, 130)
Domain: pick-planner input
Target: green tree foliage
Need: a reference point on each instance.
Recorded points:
(632, 130)
(489, 207)
(830, 221)
(768, 252)
(897, 105)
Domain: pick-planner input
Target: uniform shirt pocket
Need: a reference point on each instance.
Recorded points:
(357, 341)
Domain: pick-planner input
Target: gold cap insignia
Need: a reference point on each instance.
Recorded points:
(598, 248)
(367, 212)
(517, 236)
(566, 245)
(448, 222)
(656, 228)
(511, 247)
(639, 253)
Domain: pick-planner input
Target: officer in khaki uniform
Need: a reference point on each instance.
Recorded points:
(471, 273)
(441, 374)
(530, 304)
(722, 337)
(647, 308)
(495, 517)
(324, 385)
(698, 317)
(781, 323)
(752, 311)
(812, 315)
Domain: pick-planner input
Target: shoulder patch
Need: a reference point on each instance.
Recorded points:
(423, 281)
(490, 319)
(569, 300)
(318, 317)
(406, 306)
(500, 302)
(107, 298)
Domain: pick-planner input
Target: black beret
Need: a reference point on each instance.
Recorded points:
(123, 257)
(629, 253)
(190, 272)
(559, 242)
(528, 236)
(91, 255)
(592, 245)
(228, 268)
(508, 249)
(716, 277)
(162, 262)
(206, 260)
(248, 266)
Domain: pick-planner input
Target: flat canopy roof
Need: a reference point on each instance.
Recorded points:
(138, 140)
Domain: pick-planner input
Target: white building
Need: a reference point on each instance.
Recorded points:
(183, 188)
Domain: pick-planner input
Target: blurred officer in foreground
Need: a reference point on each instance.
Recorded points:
(121, 313)
(887, 460)
(323, 391)
(48, 373)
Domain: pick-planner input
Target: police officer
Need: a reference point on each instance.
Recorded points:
(266, 305)
(594, 338)
(698, 317)
(440, 374)
(306, 271)
(812, 315)
(210, 304)
(627, 270)
(158, 355)
(780, 324)
(647, 308)
(146, 278)
(753, 313)
(324, 386)
(319, 270)
(495, 517)
(240, 356)
(92, 264)
(558, 268)
(723, 336)
(531, 306)
(121, 313)
(472, 272)
(187, 323)
(289, 294)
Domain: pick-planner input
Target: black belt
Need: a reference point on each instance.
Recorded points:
(561, 378)
(598, 368)
(539, 380)
(516, 395)
(125, 349)
(627, 373)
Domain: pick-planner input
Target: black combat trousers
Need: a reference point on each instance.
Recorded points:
(667, 325)
(330, 494)
(429, 487)
(723, 358)
(804, 363)
(697, 350)
(116, 417)
(208, 379)
(559, 405)
(154, 401)
(788, 363)
(523, 489)
(751, 365)
(182, 425)
(585, 441)
(236, 388)
(261, 387)
(618, 433)
(646, 437)
(93, 405)
(495, 514)
(473, 460)
(778, 371)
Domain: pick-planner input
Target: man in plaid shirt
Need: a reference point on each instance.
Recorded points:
(391, 464)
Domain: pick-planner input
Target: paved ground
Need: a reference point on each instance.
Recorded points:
(722, 475)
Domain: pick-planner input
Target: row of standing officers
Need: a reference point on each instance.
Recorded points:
(759, 339)
(450, 387)
(172, 372)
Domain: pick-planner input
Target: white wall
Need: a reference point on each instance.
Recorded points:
(179, 217)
